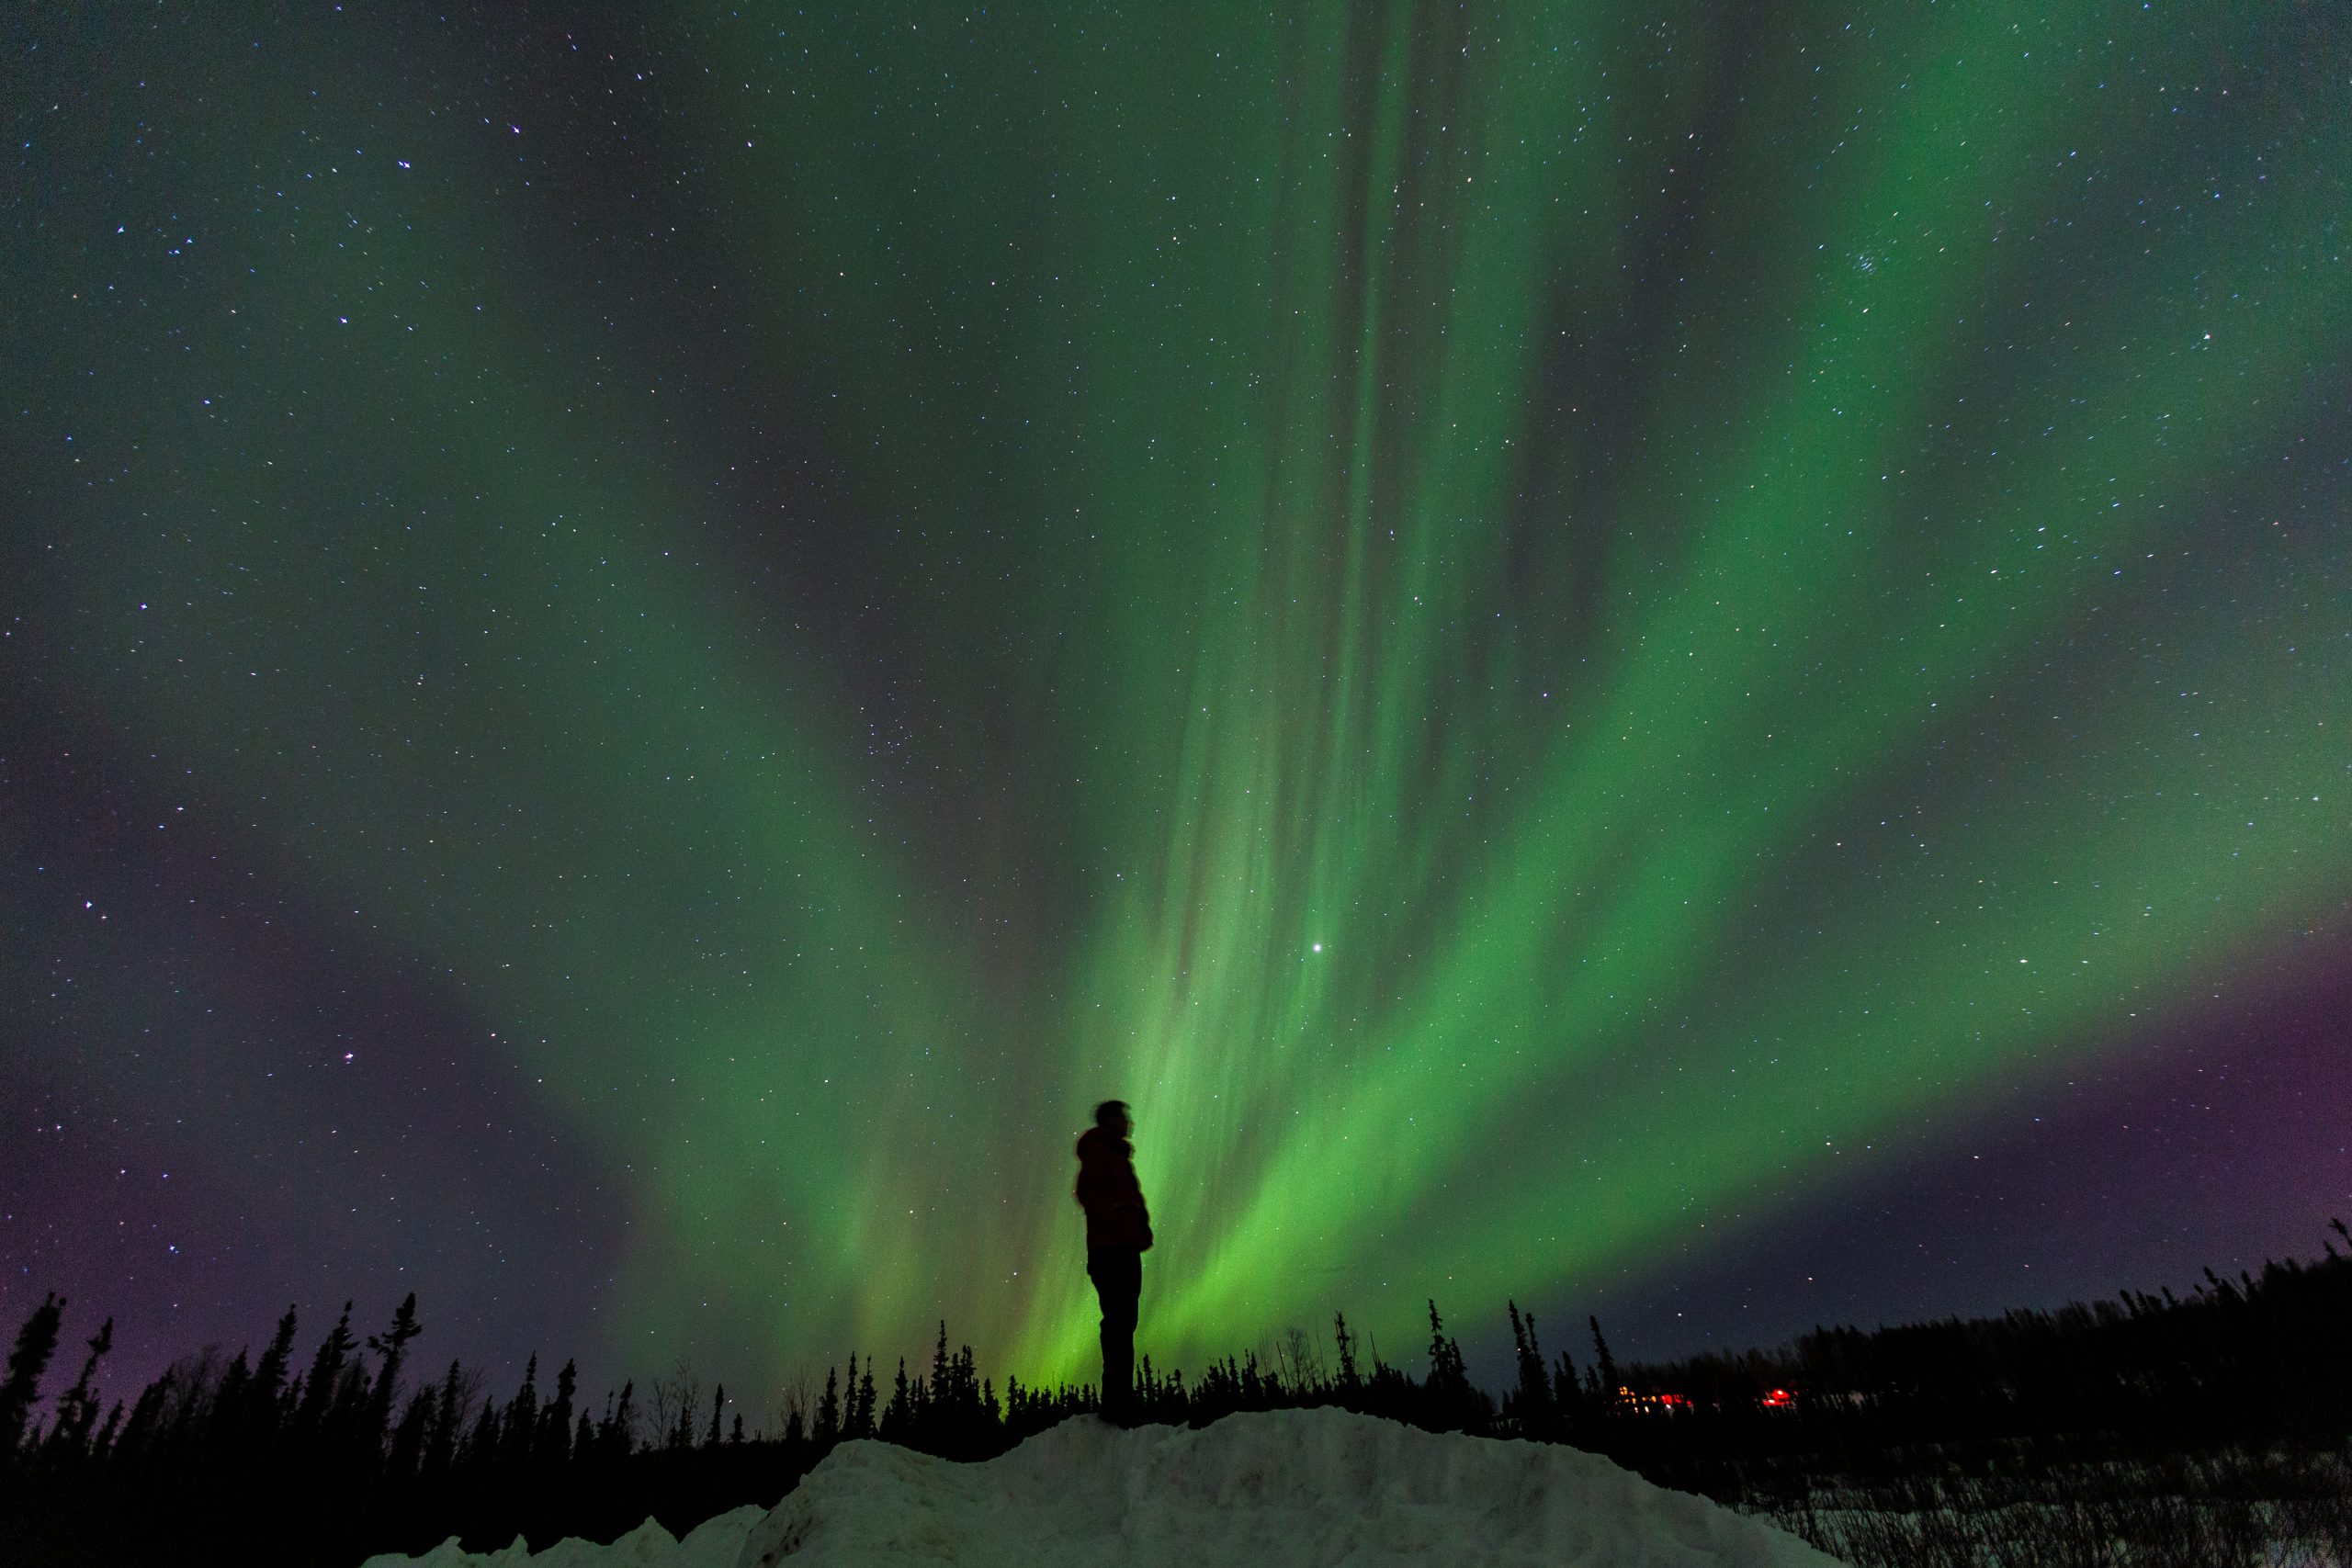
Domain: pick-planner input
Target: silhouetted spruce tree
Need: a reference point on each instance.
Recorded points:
(1531, 1399)
(688, 1392)
(617, 1437)
(407, 1452)
(554, 1444)
(480, 1451)
(1351, 1382)
(347, 1434)
(392, 1346)
(1568, 1403)
(147, 1415)
(972, 1412)
(233, 1403)
(897, 1415)
(718, 1404)
(261, 1411)
(319, 1383)
(1449, 1400)
(848, 1428)
(102, 1445)
(448, 1416)
(77, 1407)
(36, 1343)
(1387, 1391)
(520, 1424)
(1607, 1366)
(829, 1413)
(860, 1423)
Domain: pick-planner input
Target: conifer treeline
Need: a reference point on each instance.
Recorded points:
(2261, 1358)
(349, 1453)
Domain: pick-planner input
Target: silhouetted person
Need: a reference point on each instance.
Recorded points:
(1118, 1233)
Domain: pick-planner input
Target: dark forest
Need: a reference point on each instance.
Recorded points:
(2237, 1391)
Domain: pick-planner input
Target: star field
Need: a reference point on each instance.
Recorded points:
(1689, 664)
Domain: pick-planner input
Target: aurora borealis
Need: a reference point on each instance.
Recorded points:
(1588, 649)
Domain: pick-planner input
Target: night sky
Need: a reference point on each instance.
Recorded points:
(1692, 663)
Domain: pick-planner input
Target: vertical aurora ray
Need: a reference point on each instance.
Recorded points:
(1515, 621)
(1360, 1038)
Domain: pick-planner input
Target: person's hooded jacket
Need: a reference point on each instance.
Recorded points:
(1109, 1192)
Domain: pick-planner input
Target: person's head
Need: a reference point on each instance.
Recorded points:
(1111, 1117)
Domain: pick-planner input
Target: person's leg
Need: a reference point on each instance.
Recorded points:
(1118, 1286)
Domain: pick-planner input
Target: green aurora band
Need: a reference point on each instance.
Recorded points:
(1530, 620)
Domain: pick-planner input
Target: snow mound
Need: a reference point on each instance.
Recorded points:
(1289, 1487)
(1297, 1488)
(714, 1543)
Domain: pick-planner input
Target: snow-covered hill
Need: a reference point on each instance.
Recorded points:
(1286, 1488)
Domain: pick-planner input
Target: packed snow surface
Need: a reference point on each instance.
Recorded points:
(1321, 1487)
